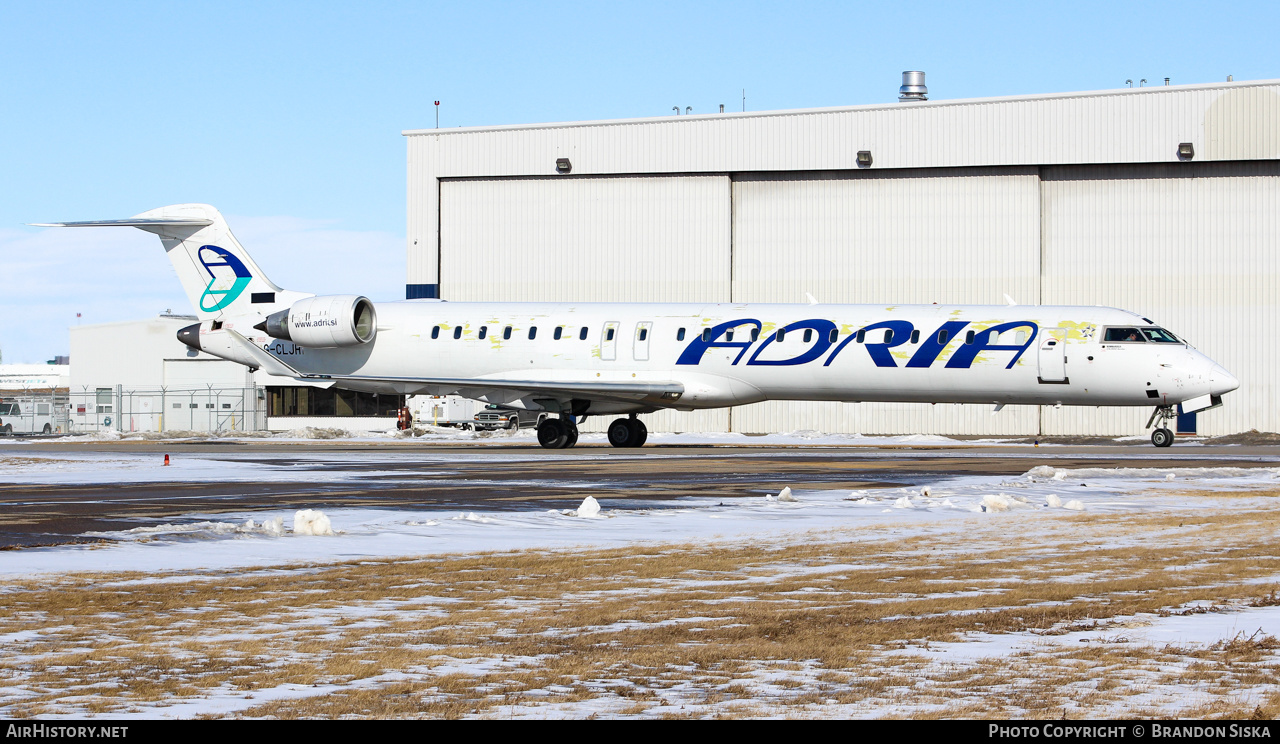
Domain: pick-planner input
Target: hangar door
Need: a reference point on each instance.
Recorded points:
(625, 239)
(1193, 246)
(957, 235)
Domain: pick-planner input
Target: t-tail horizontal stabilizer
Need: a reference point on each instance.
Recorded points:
(217, 273)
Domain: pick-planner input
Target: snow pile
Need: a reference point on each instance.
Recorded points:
(1074, 505)
(273, 527)
(904, 502)
(996, 502)
(311, 522)
(1171, 476)
(926, 492)
(197, 530)
(785, 494)
(317, 432)
(1046, 471)
(590, 508)
(473, 517)
(1053, 500)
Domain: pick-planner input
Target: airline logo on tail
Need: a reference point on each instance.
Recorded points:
(228, 277)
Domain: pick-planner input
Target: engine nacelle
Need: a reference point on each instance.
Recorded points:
(325, 322)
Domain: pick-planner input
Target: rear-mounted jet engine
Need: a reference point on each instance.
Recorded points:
(324, 322)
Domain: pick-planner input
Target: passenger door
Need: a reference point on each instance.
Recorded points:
(1053, 356)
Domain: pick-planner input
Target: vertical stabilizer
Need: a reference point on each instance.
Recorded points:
(219, 276)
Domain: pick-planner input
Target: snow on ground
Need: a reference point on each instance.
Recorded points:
(225, 540)
(444, 435)
(278, 537)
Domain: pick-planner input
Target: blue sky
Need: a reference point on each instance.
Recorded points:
(287, 116)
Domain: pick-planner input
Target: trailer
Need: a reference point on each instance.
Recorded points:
(444, 410)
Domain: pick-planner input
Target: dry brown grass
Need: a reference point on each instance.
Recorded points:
(840, 621)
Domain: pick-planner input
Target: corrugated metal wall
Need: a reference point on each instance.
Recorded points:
(1141, 125)
(656, 239)
(931, 235)
(1192, 246)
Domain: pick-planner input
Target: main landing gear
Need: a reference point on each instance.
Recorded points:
(560, 433)
(628, 432)
(1162, 436)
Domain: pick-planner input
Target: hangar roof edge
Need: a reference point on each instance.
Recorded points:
(1153, 90)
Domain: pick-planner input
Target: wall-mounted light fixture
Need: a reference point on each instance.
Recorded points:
(864, 158)
(1186, 151)
(563, 166)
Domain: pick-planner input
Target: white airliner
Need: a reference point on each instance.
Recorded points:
(597, 359)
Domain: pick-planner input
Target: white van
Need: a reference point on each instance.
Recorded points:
(26, 417)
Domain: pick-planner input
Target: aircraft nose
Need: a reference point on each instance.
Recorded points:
(1221, 381)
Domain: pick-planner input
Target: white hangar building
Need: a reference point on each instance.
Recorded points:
(1161, 200)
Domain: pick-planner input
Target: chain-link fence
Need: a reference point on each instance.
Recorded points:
(167, 409)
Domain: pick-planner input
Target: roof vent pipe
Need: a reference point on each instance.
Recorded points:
(913, 88)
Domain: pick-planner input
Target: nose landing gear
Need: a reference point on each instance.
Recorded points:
(1162, 436)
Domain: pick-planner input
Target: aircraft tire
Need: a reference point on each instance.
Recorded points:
(573, 436)
(640, 433)
(620, 433)
(1162, 437)
(552, 434)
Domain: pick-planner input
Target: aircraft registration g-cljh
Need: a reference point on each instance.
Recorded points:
(625, 359)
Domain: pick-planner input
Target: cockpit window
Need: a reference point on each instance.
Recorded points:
(1160, 336)
(1124, 335)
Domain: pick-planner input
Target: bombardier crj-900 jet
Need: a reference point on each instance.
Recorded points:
(624, 359)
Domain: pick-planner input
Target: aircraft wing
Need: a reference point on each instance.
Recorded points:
(492, 390)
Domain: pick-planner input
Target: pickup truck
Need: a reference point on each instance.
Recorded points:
(500, 417)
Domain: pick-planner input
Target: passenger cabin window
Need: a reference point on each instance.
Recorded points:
(1160, 336)
(533, 332)
(435, 332)
(457, 332)
(506, 333)
(782, 334)
(582, 334)
(728, 335)
(888, 335)
(484, 331)
(642, 334)
(608, 335)
(862, 335)
(680, 335)
(968, 337)
(831, 336)
(808, 335)
(706, 334)
(942, 337)
(1124, 335)
(558, 332)
(915, 337)
(755, 334)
